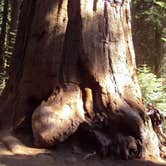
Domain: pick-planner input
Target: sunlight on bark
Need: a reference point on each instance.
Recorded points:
(88, 8)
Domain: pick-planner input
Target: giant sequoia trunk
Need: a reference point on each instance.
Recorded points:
(77, 57)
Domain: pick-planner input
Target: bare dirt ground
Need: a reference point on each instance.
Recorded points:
(64, 155)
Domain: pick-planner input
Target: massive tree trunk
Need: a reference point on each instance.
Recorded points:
(77, 57)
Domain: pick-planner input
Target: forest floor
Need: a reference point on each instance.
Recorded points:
(65, 155)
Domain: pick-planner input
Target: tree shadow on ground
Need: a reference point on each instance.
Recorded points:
(68, 159)
(67, 154)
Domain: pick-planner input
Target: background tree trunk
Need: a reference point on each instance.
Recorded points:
(147, 33)
(84, 69)
(10, 15)
(162, 69)
(12, 30)
(3, 34)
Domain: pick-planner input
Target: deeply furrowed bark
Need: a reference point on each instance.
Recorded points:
(37, 37)
(86, 73)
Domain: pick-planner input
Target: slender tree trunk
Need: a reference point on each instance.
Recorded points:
(78, 57)
(15, 10)
(11, 36)
(147, 37)
(162, 70)
(3, 34)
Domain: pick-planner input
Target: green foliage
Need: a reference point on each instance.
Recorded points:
(161, 4)
(151, 11)
(153, 87)
(163, 39)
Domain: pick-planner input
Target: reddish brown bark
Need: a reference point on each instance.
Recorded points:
(84, 69)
